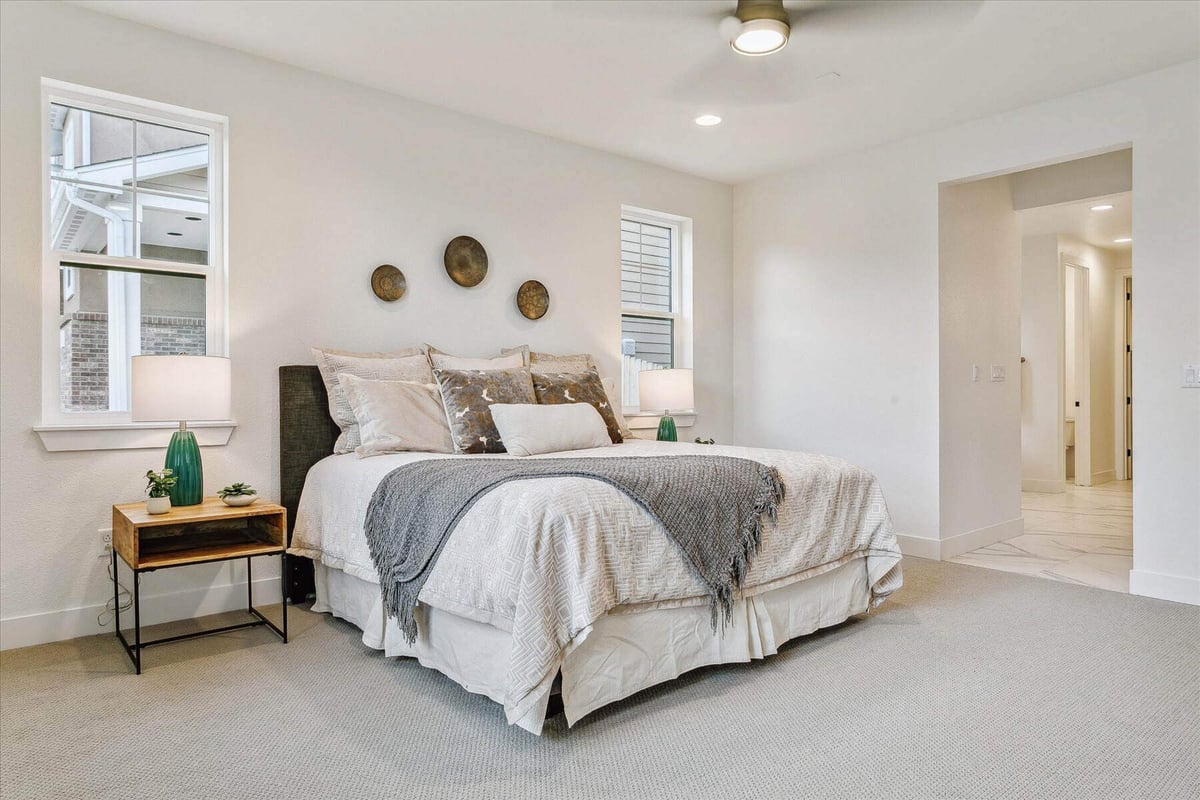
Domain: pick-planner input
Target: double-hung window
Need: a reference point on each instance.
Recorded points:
(655, 296)
(134, 253)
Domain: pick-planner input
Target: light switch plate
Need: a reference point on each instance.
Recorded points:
(1191, 376)
(974, 372)
(997, 373)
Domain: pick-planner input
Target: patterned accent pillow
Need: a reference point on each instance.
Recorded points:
(468, 395)
(406, 365)
(578, 387)
(577, 362)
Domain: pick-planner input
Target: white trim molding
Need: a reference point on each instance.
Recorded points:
(71, 623)
(919, 546)
(981, 537)
(1159, 585)
(129, 435)
(943, 549)
(640, 422)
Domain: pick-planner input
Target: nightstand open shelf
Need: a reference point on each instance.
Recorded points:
(204, 533)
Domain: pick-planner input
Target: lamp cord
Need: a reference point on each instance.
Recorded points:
(123, 600)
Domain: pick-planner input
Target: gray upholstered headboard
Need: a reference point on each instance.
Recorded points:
(306, 435)
(306, 432)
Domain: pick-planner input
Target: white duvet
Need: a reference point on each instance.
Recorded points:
(546, 558)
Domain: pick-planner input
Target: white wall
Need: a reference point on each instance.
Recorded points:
(979, 255)
(1105, 174)
(327, 180)
(836, 304)
(1042, 346)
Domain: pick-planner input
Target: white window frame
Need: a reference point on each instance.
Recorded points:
(61, 430)
(681, 302)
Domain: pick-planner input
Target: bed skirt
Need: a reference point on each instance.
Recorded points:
(620, 655)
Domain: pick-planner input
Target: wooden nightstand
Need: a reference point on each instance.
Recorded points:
(185, 535)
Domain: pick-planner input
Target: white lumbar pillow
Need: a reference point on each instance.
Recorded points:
(529, 429)
(397, 416)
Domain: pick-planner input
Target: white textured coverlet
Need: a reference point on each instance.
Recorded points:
(545, 558)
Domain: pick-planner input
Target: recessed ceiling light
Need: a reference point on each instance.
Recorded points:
(1123, 240)
(197, 219)
(1103, 207)
(174, 233)
(708, 120)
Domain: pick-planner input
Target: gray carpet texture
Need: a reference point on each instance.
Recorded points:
(968, 683)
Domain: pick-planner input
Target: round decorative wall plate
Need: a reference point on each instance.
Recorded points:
(466, 261)
(533, 300)
(388, 283)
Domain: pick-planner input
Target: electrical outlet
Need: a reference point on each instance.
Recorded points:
(997, 373)
(105, 541)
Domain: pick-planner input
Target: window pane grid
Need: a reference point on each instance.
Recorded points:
(646, 266)
(128, 188)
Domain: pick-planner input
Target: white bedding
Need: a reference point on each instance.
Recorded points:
(545, 559)
(622, 655)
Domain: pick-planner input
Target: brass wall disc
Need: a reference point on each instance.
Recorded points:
(533, 300)
(388, 283)
(466, 261)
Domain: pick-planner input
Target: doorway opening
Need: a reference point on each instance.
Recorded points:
(1073, 305)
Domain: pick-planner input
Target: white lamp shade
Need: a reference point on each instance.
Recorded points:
(180, 388)
(665, 390)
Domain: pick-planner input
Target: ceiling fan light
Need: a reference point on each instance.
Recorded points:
(761, 37)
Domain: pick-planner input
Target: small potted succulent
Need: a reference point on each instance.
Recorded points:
(158, 487)
(239, 494)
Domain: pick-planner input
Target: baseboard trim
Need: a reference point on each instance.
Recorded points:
(961, 543)
(1104, 476)
(71, 623)
(1042, 485)
(918, 546)
(1160, 585)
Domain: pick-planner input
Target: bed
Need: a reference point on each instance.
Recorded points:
(516, 607)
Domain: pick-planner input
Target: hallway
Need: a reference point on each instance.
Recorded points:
(1083, 535)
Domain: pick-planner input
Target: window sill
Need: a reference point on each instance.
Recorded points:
(129, 435)
(638, 421)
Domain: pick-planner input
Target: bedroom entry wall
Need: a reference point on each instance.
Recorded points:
(837, 267)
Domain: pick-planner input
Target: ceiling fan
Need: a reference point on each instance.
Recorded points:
(757, 27)
(764, 27)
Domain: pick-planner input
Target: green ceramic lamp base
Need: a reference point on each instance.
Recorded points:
(183, 458)
(666, 429)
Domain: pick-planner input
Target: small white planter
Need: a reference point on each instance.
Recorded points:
(240, 500)
(158, 505)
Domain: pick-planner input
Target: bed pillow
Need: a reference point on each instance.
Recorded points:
(548, 362)
(468, 395)
(578, 387)
(406, 365)
(577, 362)
(528, 430)
(397, 416)
(440, 360)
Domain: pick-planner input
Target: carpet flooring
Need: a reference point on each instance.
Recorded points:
(969, 683)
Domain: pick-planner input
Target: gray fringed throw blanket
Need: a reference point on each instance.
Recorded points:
(712, 507)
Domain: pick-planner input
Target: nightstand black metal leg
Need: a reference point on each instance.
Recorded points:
(137, 622)
(283, 586)
(249, 586)
(116, 598)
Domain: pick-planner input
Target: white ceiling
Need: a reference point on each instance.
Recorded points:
(628, 77)
(1097, 228)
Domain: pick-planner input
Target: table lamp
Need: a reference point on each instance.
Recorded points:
(181, 389)
(663, 390)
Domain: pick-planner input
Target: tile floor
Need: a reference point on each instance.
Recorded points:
(1083, 535)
